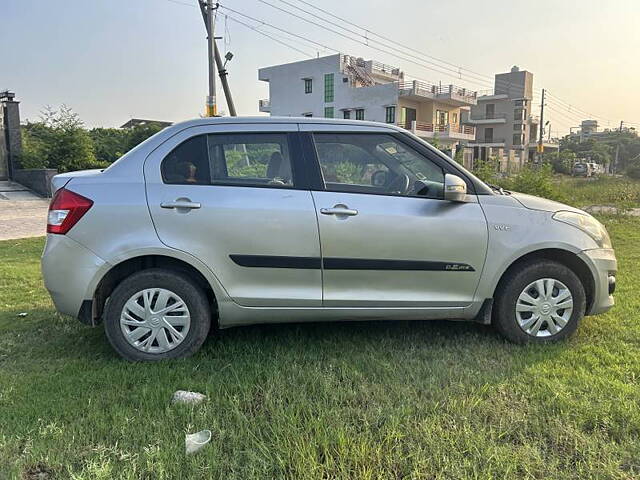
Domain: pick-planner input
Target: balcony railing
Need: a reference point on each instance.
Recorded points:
(431, 90)
(489, 116)
(445, 130)
(489, 140)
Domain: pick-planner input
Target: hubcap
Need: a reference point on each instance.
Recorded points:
(544, 307)
(155, 320)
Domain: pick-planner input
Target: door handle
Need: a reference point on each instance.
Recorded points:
(181, 204)
(339, 210)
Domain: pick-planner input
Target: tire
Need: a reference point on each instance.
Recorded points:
(515, 313)
(126, 311)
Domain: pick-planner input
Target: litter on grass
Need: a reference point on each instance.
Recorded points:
(195, 441)
(190, 398)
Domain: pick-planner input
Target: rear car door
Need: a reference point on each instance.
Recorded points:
(388, 237)
(233, 196)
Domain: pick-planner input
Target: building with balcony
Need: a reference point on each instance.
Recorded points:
(505, 126)
(343, 86)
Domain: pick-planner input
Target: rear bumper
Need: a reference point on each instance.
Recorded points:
(68, 269)
(603, 265)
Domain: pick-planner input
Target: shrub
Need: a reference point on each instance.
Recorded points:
(534, 180)
(634, 172)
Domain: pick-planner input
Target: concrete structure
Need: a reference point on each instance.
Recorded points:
(506, 127)
(135, 122)
(343, 86)
(10, 139)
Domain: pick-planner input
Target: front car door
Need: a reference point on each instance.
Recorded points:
(232, 195)
(388, 238)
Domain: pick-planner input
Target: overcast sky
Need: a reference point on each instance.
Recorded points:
(111, 60)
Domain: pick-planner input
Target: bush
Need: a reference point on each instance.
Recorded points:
(634, 172)
(534, 180)
(487, 170)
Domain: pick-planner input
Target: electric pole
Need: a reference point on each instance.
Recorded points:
(615, 162)
(206, 8)
(541, 127)
(212, 107)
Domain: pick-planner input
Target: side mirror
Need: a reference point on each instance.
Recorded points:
(455, 188)
(379, 178)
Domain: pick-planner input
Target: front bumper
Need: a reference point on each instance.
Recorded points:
(603, 265)
(68, 270)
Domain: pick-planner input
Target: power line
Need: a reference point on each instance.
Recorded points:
(437, 68)
(262, 22)
(390, 40)
(458, 69)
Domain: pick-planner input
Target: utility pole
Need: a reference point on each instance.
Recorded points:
(541, 127)
(206, 8)
(615, 162)
(212, 107)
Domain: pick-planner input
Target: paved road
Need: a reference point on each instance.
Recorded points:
(22, 213)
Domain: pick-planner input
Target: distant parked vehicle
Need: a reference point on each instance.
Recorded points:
(237, 221)
(582, 169)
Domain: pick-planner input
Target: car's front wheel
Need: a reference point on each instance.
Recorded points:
(157, 314)
(541, 301)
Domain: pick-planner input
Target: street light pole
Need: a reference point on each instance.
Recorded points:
(212, 107)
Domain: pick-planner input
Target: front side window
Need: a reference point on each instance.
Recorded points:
(376, 163)
(360, 114)
(252, 159)
(308, 85)
(328, 87)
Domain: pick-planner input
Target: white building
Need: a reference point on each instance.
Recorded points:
(343, 86)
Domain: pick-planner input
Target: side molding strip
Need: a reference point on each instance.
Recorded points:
(314, 263)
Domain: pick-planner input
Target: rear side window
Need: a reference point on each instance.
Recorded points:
(188, 163)
(254, 159)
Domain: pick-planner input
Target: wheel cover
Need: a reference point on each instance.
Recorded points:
(544, 307)
(155, 320)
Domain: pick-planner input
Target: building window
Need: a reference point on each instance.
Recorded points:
(518, 114)
(359, 113)
(488, 134)
(390, 114)
(517, 139)
(442, 117)
(328, 112)
(328, 87)
(308, 85)
(454, 118)
(518, 127)
(519, 103)
(346, 114)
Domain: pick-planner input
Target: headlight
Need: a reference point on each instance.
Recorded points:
(587, 224)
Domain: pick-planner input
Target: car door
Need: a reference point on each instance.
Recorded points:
(232, 195)
(388, 238)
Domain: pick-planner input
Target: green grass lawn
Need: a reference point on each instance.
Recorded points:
(421, 400)
(621, 192)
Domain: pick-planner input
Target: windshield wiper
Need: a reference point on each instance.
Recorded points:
(498, 189)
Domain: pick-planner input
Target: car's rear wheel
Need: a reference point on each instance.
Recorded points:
(157, 314)
(540, 301)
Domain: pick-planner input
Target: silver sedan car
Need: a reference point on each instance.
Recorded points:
(237, 221)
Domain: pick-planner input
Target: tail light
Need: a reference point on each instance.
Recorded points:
(65, 210)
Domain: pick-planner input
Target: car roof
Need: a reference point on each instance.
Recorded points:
(271, 120)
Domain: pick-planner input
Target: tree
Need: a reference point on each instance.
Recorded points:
(59, 141)
(109, 143)
(140, 133)
(561, 161)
